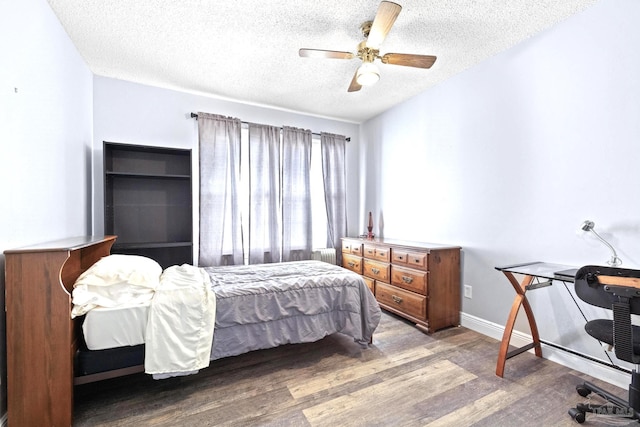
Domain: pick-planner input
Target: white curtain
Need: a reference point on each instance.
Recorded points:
(296, 194)
(220, 222)
(333, 149)
(264, 198)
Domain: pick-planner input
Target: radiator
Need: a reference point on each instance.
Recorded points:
(324, 254)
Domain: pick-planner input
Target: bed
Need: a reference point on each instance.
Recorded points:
(47, 350)
(254, 307)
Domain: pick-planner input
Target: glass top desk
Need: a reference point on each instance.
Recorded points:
(536, 275)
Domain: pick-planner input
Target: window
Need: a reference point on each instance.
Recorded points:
(319, 217)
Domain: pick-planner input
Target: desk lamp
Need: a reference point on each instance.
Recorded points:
(589, 226)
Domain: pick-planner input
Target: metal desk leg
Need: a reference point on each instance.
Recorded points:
(520, 300)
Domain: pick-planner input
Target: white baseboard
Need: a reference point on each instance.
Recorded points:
(519, 339)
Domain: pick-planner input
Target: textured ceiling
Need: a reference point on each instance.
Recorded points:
(247, 50)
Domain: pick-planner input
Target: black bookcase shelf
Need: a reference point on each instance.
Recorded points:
(148, 175)
(148, 201)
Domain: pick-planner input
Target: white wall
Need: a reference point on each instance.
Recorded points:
(45, 135)
(138, 114)
(508, 158)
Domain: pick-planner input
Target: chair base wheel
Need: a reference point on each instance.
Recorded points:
(582, 390)
(577, 415)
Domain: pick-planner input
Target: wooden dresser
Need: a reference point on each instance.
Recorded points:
(418, 281)
(41, 337)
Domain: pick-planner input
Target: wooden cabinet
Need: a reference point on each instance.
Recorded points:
(418, 281)
(41, 337)
(148, 201)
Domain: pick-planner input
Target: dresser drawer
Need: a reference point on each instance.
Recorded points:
(407, 302)
(356, 249)
(410, 259)
(407, 278)
(376, 252)
(353, 263)
(398, 256)
(376, 270)
(417, 260)
(351, 247)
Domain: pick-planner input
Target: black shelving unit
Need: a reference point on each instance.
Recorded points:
(148, 201)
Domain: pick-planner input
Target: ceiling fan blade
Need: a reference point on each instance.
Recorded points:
(319, 53)
(354, 86)
(382, 23)
(409, 60)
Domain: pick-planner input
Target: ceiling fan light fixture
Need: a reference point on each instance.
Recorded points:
(367, 74)
(374, 33)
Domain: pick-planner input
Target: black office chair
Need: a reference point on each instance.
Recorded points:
(616, 289)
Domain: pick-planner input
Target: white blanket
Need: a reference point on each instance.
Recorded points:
(181, 320)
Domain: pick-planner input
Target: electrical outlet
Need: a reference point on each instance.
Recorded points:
(468, 291)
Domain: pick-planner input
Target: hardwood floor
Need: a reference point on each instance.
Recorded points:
(405, 378)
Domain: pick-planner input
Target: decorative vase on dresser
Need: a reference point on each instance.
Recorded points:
(417, 281)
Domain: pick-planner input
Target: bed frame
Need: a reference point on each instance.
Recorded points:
(42, 339)
(44, 345)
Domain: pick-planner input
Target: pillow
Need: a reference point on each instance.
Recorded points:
(134, 269)
(116, 280)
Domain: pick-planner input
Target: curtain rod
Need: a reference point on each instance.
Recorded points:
(195, 116)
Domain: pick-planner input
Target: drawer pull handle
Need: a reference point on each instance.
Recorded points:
(400, 257)
(352, 264)
(375, 271)
(417, 260)
(396, 299)
(407, 279)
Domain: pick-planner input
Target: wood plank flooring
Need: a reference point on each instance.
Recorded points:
(405, 378)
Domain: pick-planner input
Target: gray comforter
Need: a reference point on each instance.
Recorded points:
(267, 305)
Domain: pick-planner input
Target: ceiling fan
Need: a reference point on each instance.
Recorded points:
(374, 33)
